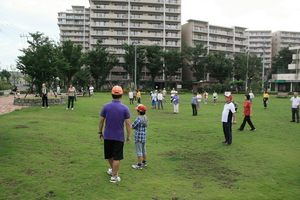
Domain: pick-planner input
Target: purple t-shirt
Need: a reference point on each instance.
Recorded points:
(115, 113)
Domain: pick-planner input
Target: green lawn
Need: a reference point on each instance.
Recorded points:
(56, 154)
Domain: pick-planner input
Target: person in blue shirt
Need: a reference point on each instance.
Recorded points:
(194, 104)
(140, 125)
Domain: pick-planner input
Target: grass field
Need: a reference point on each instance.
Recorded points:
(56, 154)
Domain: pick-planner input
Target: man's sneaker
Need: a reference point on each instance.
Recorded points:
(109, 171)
(239, 130)
(253, 130)
(137, 166)
(144, 164)
(72, 109)
(67, 108)
(115, 179)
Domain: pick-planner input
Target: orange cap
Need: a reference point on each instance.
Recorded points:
(117, 90)
(141, 108)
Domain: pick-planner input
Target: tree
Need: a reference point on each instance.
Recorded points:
(129, 57)
(219, 66)
(82, 77)
(40, 60)
(173, 60)
(100, 63)
(5, 74)
(196, 59)
(282, 60)
(72, 59)
(154, 61)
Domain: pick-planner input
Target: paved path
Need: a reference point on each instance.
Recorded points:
(6, 104)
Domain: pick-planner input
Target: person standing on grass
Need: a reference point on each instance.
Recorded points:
(134, 95)
(251, 96)
(138, 96)
(215, 97)
(58, 89)
(71, 97)
(228, 115)
(164, 93)
(130, 94)
(113, 115)
(173, 91)
(205, 96)
(199, 97)
(153, 99)
(194, 104)
(140, 125)
(247, 114)
(266, 99)
(160, 99)
(91, 89)
(44, 96)
(295, 103)
(175, 100)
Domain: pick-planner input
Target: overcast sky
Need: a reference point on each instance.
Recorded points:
(19, 17)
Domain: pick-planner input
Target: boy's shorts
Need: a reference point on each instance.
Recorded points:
(140, 149)
(113, 149)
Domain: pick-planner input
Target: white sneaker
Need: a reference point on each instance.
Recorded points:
(67, 108)
(72, 108)
(115, 179)
(136, 166)
(109, 171)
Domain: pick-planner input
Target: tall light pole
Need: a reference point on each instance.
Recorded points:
(135, 43)
(263, 67)
(247, 70)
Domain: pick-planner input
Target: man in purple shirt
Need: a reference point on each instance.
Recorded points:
(114, 114)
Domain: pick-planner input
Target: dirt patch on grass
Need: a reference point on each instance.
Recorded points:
(208, 165)
(29, 172)
(10, 183)
(21, 126)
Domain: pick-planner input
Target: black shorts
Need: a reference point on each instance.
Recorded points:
(113, 149)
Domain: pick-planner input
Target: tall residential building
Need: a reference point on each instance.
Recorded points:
(260, 44)
(216, 38)
(291, 81)
(138, 22)
(282, 39)
(74, 25)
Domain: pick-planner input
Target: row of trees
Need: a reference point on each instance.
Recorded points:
(46, 62)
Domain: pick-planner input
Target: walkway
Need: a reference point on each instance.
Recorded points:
(6, 104)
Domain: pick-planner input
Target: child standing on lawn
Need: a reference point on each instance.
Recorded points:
(140, 125)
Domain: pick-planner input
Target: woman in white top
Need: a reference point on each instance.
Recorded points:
(71, 96)
(199, 97)
(91, 88)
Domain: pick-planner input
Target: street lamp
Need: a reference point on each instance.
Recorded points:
(135, 43)
(263, 67)
(247, 70)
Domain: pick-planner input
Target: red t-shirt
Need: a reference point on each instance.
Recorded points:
(247, 106)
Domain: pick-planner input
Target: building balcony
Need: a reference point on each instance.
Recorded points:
(294, 66)
(285, 77)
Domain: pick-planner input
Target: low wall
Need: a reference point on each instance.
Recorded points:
(38, 102)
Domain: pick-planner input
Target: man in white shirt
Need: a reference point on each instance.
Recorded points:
(160, 99)
(227, 115)
(295, 102)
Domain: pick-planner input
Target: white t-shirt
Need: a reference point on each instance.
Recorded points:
(251, 95)
(160, 97)
(228, 112)
(91, 89)
(199, 97)
(295, 102)
(130, 94)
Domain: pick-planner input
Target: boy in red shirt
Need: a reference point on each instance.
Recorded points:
(247, 114)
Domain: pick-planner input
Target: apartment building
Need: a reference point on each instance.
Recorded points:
(74, 25)
(282, 39)
(216, 38)
(291, 81)
(138, 22)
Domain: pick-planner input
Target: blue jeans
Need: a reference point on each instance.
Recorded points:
(160, 103)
